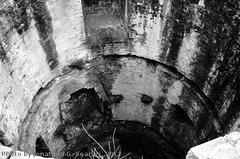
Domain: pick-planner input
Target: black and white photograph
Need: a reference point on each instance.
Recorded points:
(120, 79)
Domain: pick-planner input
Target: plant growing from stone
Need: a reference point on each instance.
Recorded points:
(108, 154)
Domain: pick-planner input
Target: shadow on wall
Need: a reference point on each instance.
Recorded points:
(42, 149)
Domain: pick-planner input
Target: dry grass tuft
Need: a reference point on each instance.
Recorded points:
(108, 154)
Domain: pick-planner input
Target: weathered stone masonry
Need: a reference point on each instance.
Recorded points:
(164, 73)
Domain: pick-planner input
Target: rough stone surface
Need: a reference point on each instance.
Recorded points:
(107, 54)
(220, 148)
(24, 66)
(5, 152)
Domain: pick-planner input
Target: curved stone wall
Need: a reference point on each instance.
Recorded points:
(167, 68)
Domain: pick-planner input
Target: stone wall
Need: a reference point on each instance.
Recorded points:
(219, 148)
(34, 52)
(170, 65)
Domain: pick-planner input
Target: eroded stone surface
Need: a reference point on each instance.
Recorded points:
(5, 152)
(220, 148)
(181, 53)
(24, 65)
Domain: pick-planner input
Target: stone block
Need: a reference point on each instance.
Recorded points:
(227, 147)
(5, 152)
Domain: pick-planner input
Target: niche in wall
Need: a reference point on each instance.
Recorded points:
(104, 21)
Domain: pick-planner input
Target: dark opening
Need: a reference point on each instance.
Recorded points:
(181, 115)
(42, 149)
(83, 106)
(133, 138)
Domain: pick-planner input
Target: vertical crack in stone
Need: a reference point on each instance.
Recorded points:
(233, 111)
(3, 54)
(178, 24)
(43, 21)
(177, 31)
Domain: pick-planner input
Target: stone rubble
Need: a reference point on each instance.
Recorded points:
(227, 147)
